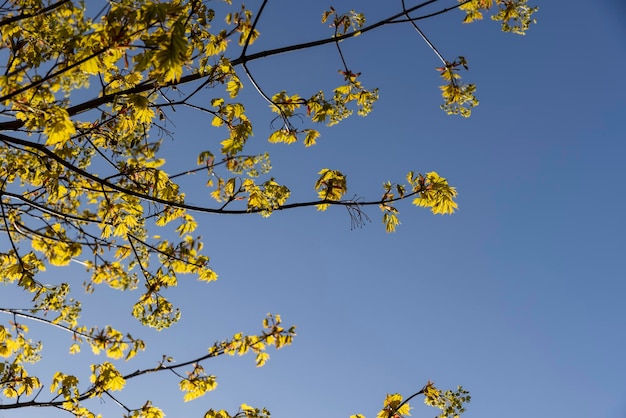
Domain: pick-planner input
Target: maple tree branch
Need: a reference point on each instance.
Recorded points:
(208, 167)
(23, 16)
(145, 272)
(149, 84)
(117, 401)
(180, 205)
(49, 211)
(423, 35)
(163, 253)
(251, 32)
(220, 349)
(25, 271)
(223, 345)
(50, 75)
(437, 13)
(17, 312)
(420, 392)
(286, 123)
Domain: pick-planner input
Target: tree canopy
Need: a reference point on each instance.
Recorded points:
(86, 91)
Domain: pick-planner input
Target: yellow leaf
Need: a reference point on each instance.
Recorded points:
(59, 127)
(311, 137)
(246, 408)
(343, 89)
(233, 87)
(207, 275)
(106, 377)
(91, 66)
(9, 392)
(283, 135)
(404, 410)
(140, 108)
(261, 359)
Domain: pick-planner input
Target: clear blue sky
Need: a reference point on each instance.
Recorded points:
(519, 296)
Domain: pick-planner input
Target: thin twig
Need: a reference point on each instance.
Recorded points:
(423, 35)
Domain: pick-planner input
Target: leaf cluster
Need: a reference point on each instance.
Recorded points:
(515, 16)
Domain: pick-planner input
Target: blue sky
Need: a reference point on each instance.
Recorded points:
(518, 296)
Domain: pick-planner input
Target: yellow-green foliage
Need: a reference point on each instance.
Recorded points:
(85, 104)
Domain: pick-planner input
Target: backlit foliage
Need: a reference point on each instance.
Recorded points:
(86, 91)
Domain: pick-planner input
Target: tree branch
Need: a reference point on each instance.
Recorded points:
(29, 15)
(251, 33)
(16, 312)
(180, 205)
(421, 391)
(430, 44)
(149, 84)
(53, 212)
(220, 350)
